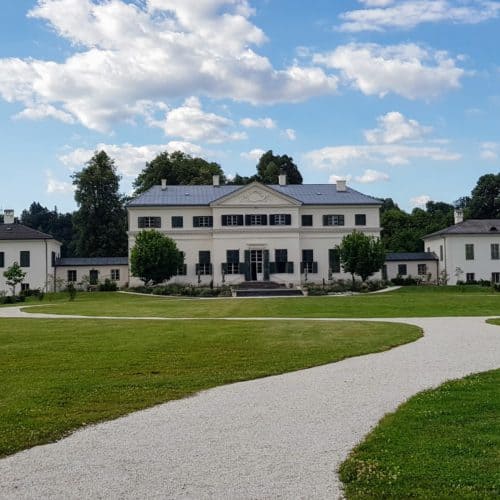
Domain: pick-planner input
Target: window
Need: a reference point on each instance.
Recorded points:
(204, 267)
(177, 221)
(422, 269)
(182, 269)
(334, 260)
(470, 277)
(308, 265)
(71, 275)
(2, 259)
(203, 221)
(115, 274)
(232, 220)
(495, 277)
(495, 251)
(469, 251)
(402, 269)
(307, 220)
(256, 220)
(281, 259)
(360, 219)
(25, 287)
(94, 277)
(24, 258)
(149, 222)
(232, 262)
(53, 259)
(440, 252)
(280, 220)
(333, 220)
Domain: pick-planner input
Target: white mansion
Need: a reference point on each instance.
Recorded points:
(230, 234)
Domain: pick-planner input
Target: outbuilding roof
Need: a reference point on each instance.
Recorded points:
(307, 194)
(21, 232)
(410, 256)
(92, 261)
(471, 226)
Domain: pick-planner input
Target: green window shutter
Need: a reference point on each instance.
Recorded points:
(315, 268)
(271, 220)
(240, 220)
(196, 221)
(325, 220)
(288, 219)
(247, 265)
(264, 220)
(224, 267)
(289, 267)
(266, 265)
(247, 220)
(224, 220)
(272, 267)
(334, 260)
(210, 221)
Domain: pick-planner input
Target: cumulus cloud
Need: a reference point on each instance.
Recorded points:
(155, 51)
(190, 123)
(290, 134)
(258, 123)
(334, 178)
(254, 154)
(408, 70)
(370, 176)
(395, 127)
(55, 186)
(396, 141)
(381, 15)
(129, 159)
(489, 151)
(420, 201)
(41, 111)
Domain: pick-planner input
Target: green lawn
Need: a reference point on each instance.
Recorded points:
(443, 443)
(406, 302)
(58, 375)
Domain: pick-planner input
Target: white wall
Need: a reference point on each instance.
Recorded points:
(40, 271)
(412, 269)
(61, 273)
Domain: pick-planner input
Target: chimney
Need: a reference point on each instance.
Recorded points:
(216, 180)
(459, 215)
(8, 217)
(282, 179)
(341, 186)
(164, 184)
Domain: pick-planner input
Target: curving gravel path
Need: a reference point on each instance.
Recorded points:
(276, 437)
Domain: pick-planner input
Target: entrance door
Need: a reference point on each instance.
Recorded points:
(256, 265)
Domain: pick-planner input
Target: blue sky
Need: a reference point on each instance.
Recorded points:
(401, 98)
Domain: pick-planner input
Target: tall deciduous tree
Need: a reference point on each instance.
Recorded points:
(484, 202)
(361, 254)
(271, 165)
(154, 257)
(100, 221)
(177, 168)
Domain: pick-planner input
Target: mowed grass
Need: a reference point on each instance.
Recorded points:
(406, 302)
(443, 443)
(58, 375)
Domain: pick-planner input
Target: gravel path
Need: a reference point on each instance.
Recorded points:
(276, 437)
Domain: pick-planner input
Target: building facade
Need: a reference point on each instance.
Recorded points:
(230, 234)
(421, 265)
(468, 251)
(34, 251)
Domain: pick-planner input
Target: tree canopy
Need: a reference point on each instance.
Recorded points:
(484, 202)
(177, 168)
(154, 257)
(361, 254)
(100, 222)
(270, 166)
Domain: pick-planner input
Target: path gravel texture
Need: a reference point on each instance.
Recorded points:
(276, 437)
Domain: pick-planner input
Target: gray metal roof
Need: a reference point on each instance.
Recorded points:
(308, 194)
(471, 226)
(20, 232)
(410, 256)
(92, 261)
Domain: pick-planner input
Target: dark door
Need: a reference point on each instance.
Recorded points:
(253, 271)
(93, 277)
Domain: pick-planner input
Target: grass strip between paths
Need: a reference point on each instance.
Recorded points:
(442, 443)
(58, 375)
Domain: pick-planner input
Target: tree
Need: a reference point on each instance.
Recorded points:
(177, 168)
(484, 202)
(271, 165)
(13, 276)
(361, 254)
(100, 222)
(155, 257)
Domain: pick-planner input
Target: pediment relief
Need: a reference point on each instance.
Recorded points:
(256, 195)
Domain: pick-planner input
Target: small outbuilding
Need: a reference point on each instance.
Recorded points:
(422, 265)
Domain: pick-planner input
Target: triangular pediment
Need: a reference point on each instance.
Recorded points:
(255, 195)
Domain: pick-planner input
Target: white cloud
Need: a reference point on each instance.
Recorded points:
(334, 178)
(385, 14)
(489, 151)
(420, 201)
(258, 123)
(152, 51)
(254, 154)
(129, 159)
(290, 134)
(408, 70)
(55, 186)
(191, 123)
(370, 176)
(395, 127)
(41, 111)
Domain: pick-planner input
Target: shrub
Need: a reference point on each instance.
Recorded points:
(108, 286)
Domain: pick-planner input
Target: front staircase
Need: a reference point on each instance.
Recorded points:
(264, 289)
